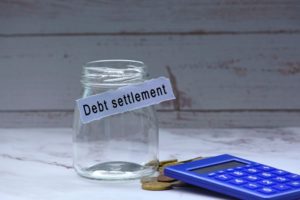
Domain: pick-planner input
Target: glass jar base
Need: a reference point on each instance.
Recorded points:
(116, 170)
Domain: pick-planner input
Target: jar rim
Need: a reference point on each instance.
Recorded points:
(114, 60)
(113, 72)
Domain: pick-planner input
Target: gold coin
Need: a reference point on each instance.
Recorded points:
(161, 168)
(179, 184)
(164, 182)
(163, 178)
(163, 162)
(192, 159)
(170, 164)
(156, 186)
(147, 179)
(152, 163)
(198, 158)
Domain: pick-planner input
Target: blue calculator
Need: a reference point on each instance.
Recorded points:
(238, 177)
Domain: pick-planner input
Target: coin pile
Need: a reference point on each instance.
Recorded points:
(162, 182)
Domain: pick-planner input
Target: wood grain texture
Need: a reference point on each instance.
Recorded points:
(183, 119)
(30, 119)
(211, 72)
(232, 119)
(232, 63)
(30, 17)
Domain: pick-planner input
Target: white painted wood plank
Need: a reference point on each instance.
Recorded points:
(250, 119)
(32, 119)
(143, 16)
(211, 72)
(245, 119)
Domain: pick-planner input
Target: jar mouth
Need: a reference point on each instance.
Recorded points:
(114, 72)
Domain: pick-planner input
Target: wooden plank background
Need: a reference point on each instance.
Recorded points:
(232, 63)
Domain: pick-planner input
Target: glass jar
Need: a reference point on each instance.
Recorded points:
(121, 146)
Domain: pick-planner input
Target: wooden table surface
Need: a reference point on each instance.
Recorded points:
(37, 163)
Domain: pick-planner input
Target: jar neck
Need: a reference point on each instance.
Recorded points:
(109, 74)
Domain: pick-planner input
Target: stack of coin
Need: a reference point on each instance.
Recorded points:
(162, 182)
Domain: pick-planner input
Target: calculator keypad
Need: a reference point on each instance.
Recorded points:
(252, 186)
(280, 179)
(266, 182)
(223, 177)
(265, 168)
(266, 175)
(238, 181)
(252, 171)
(211, 174)
(282, 187)
(252, 178)
(259, 178)
(280, 172)
(267, 190)
(238, 173)
(293, 176)
(294, 184)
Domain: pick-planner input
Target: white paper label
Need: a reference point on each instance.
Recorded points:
(125, 99)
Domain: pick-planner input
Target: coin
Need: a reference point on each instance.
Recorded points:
(147, 179)
(163, 162)
(192, 159)
(163, 178)
(152, 163)
(163, 182)
(198, 158)
(161, 168)
(156, 186)
(179, 184)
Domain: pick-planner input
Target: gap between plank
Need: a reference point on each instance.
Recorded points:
(167, 33)
(171, 110)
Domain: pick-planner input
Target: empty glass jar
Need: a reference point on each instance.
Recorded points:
(121, 146)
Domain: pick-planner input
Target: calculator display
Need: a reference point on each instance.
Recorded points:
(217, 167)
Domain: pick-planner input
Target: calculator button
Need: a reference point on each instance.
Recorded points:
(252, 186)
(223, 177)
(252, 178)
(279, 172)
(265, 168)
(266, 182)
(294, 184)
(282, 187)
(239, 168)
(266, 175)
(248, 166)
(280, 179)
(293, 176)
(267, 190)
(220, 172)
(230, 170)
(211, 174)
(238, 181)
(252, 170)
(238, 173)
